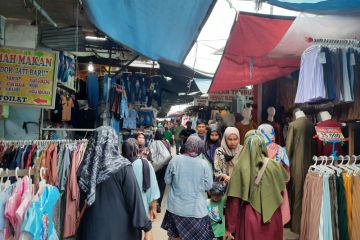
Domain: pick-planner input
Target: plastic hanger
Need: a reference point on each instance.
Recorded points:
(30, 178)
(342, 165)
(1, 180)
(315, 168)
(7, 183)
(338, 170)
(18, 180)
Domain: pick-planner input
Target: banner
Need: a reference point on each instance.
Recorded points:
(228, 96)
(27, 77)
(202, 101)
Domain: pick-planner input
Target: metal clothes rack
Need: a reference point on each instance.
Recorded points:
(28, 142)
(349, 42)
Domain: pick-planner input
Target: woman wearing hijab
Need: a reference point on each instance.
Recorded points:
(227, 154)
(144, 151)
(145, 176)
(277, 153)
(254, 193)
(213, 141)
(189, 177)
(160, 174)
(113, 207)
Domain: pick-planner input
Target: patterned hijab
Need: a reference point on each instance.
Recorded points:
(194, 146)
(265, 196)
(102, 158)
(230, 153)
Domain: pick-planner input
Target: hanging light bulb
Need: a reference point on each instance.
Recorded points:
(91, 67)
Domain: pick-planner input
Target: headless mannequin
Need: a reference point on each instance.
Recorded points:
(325, 120)
(323, 116)
(246, 124)
(299, 113)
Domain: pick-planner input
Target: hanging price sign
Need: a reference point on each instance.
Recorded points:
(329, 134)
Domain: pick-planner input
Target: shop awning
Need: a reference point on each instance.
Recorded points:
(160, 30)
(245, 60)
(316, 26)
(318, 6)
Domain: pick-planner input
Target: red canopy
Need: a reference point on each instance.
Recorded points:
(245, 60)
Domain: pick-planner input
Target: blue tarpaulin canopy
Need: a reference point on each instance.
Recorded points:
(318, 6)
(157, 29)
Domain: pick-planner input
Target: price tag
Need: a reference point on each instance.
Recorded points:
(329, 134)
(322, 58)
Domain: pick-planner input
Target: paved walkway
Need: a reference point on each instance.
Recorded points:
(160, 234)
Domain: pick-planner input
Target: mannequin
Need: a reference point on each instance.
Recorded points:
(298, 113)
(323, 116)
(271, 111)
(300, 149)
(325, 120)
(246, 124)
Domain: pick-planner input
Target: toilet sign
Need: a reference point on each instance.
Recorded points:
(329, 134)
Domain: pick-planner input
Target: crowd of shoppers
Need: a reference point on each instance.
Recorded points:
(218, 189)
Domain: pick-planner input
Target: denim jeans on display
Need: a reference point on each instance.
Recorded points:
(156, 92)
(126, 82)
(124, 107)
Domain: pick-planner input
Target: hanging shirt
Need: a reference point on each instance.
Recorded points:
(14, 202)
(38, 221)
(4, 223)
(130, 121)
(67, 104)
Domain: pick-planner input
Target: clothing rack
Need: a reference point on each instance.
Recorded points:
(43, 141)
(19, 172)
(69, 129)
(326, 41)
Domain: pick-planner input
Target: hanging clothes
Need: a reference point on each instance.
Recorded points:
(92, 87)
(327, 73)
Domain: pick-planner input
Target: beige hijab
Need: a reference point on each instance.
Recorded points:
(231, 152)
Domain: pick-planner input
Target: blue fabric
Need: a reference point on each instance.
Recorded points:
(157, 29)
(189, 178)
(146, 118)
(92, 85)
(130, 121)
(153, 193)
(318, 6)
(124, 107)
(40, 212)
(325, 228)
(115, 124)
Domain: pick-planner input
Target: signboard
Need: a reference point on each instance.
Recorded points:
(329, 134)
(228, 96)
(27, 77)
(202, 101)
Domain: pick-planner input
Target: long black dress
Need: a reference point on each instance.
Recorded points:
(118, 212)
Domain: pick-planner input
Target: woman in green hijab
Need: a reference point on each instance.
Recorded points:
(254, 193)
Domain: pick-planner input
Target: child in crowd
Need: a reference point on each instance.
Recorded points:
(168, 135)
(216, 204)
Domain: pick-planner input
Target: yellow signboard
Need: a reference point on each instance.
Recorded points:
(27, 77)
